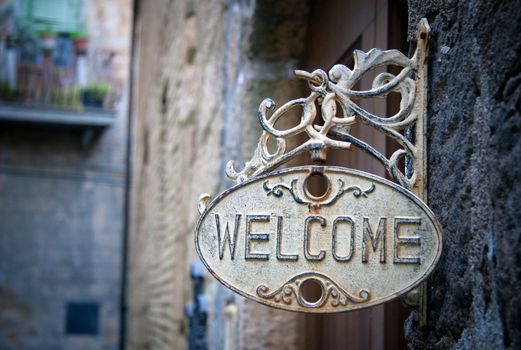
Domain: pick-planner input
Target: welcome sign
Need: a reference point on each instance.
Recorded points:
(366, 241)
(363, 239)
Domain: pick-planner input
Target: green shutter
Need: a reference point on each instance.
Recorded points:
(54, 15)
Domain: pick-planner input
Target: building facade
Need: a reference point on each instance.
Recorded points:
(63, 178)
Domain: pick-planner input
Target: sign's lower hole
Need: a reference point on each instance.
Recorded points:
(311, 291)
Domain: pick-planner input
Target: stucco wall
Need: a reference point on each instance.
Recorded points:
(203, 68)
(474, 171)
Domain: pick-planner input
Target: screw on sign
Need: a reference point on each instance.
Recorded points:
(364, 240)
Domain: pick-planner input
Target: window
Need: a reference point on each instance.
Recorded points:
(49, 59)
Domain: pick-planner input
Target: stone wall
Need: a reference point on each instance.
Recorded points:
(474, 170)
(202, 69)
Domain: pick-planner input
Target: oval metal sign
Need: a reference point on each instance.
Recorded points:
(366, 240)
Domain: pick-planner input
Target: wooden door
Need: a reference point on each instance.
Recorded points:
(337, 27)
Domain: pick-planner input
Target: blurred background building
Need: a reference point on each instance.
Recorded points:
(64, 72)
(116, 114)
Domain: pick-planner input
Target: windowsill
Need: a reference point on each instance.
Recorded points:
(46, 115)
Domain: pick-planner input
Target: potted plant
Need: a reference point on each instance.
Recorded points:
(48, 40)
(94, 95)
(80, 39)
(8, 93)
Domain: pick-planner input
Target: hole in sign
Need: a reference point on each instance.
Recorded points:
(316, 186)
(311, 291)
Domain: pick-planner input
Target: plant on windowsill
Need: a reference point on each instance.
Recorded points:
(94, 95)
(80, 39)
(69, 97)
(8, 93)
(47, 40)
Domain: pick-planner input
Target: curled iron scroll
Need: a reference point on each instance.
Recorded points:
(337, 87)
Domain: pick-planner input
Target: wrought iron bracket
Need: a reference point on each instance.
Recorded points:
(336, 87)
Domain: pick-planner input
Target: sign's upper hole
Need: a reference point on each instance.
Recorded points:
(316, 186)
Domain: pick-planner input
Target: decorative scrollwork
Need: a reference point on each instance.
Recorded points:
(277, 191)
(331, 291)
(204, 198)
(336, 87)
